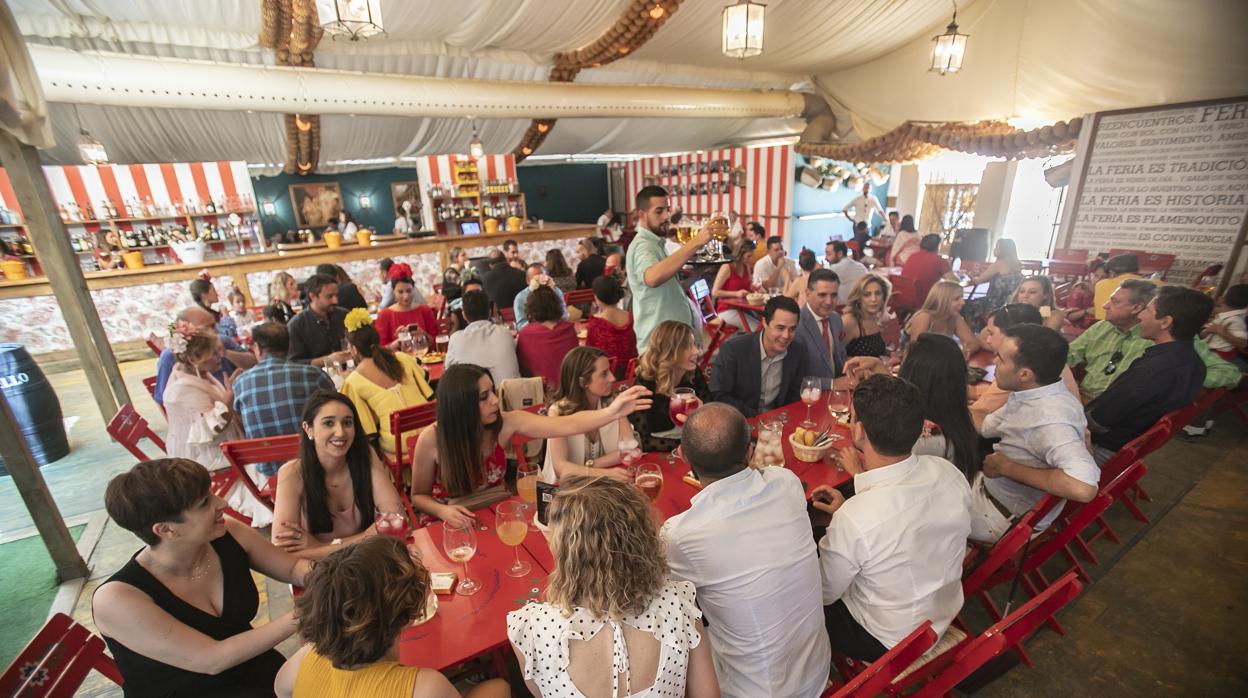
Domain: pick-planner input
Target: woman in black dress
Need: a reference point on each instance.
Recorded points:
(866, 308)
(177, 617)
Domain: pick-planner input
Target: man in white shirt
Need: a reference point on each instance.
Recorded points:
(745, 543)
(482, 342)
(863, 206)
(848, 270)
(892, 555)
(1040, 427)
(772, 271)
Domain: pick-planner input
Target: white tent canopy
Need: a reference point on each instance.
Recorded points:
(1050, 60)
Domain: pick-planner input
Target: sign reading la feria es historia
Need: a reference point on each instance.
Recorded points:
(1168, 180)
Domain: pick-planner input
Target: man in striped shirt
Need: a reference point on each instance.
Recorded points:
(270, 396)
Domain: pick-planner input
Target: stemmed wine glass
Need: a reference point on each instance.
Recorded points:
(682, 402)
(649, 480)
(838, 405)
(512, 523)
(459, 540)
(420, 342)
(812, 390)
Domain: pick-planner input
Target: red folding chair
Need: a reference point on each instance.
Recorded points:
(155, 344)
(56, 661)
(128, 427)
(1115, 251)
(265, 449)
(629, 371)
(508, 315)
(719, 335)
(949, 669)
(579, 297)
(150, 384)
(1154, 263)
(904, 298)
(402, 422)
(978, 570)
(873, 680)
(1071, 255)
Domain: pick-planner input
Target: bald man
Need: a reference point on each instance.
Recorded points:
(745, 536)
(204, 320)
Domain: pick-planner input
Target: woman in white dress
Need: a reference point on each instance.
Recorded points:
(201, 414)
(585, 382)
(613, 624)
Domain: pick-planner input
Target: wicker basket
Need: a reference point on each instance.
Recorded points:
(810, 454)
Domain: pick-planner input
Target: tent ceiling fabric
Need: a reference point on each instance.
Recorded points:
(1051, 60)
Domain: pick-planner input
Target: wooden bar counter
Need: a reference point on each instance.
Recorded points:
(135, 302)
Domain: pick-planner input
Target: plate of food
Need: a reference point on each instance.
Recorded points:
(432, 358)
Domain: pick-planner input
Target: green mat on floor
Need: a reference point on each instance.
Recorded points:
(27, 587)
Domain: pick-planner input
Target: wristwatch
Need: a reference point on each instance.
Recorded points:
(336, 541)
(589, 463)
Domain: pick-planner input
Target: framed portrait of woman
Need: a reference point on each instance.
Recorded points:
(315, 203)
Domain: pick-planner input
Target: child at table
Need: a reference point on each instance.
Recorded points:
(356, 604)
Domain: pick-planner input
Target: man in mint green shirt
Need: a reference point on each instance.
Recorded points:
(1108, 347)
(653, 274)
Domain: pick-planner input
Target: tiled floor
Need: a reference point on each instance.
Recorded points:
(1167, 612)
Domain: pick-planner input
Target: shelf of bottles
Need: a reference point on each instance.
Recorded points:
(469, 199)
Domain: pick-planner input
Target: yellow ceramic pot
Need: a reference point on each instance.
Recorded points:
(13, 269)
(513, 224)
(133, 260)
(365, 239)
(491, 226)
(332, 240)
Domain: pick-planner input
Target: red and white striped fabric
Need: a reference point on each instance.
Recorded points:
(165, 184)
(440, 169)
(767, 196)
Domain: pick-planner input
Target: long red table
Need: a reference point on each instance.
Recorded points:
(469, 626)
(744, 311)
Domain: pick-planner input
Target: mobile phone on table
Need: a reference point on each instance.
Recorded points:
(545, 494)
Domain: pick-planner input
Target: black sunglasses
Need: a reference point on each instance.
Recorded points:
(1113, 363)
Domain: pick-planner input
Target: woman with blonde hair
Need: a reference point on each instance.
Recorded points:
(1037, 291)
(585, 382)
(866, 309)
(610, 573)
(282, 290)
(356, 605)
(941, 313)
(670, 362)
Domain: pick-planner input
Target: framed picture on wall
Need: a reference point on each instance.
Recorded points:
(406, 193)
(315, 204)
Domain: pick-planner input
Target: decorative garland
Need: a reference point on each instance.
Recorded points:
(919, 140)
(633, 29)
(292, 29)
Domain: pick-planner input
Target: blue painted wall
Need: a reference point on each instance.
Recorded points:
(810, 200)
(374, 183)
(570, 193)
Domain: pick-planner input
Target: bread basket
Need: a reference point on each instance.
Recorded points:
(811, 454)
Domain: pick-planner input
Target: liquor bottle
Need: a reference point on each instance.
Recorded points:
(209, 206)
(27, 248)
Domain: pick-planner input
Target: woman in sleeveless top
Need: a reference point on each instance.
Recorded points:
(357, 604)
(585, 382)
(941, 313)
(1002, 276)
(733, 281)
(866, 309)
(383, 382)
(613, 623)
(610, 328)
(177, 617)
(282, 290)
(453, 455)
(330, 495)
(796, 289)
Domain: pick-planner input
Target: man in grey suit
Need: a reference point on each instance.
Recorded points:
(764, 370)
(820, 326)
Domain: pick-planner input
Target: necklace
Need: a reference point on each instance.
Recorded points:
(197, 572)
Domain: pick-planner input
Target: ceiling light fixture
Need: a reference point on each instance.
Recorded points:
(948, 49)
(657, 11)
(475, 148)
(89, 148)
(354, 19)
(743, 29)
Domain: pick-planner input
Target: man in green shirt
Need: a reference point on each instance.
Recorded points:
(653, 275)
(1108, 347)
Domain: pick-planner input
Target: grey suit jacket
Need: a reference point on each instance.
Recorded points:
(808, 330)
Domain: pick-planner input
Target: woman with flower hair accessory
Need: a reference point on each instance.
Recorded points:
(201, 416)
(405, 311)
(382, 383)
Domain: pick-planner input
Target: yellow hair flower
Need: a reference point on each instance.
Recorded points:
(357, 318)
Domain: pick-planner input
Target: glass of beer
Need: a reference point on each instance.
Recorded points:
(512, 524)
(649, 480)
(719, 226)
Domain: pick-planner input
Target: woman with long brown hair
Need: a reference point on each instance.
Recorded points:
(733, 281)
(669, 362)
(585, 384)
(610, 575)
(383, 381)
(462, 452)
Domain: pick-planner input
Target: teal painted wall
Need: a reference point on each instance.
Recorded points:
(374, 183)
(810, 200)
(572, 193)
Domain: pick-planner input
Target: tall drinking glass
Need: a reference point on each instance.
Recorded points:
(526, 484)
(460, 543)
(391, 523)
(511, 521)
(649, 480)
(812, 390)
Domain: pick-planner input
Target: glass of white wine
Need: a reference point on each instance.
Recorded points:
(511, 521)
(526, 484)
(460, 543)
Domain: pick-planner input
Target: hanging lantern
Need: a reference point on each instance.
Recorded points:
(354, 19)
(91, 150)
(475, 148)
(743, 29)
(949, 48)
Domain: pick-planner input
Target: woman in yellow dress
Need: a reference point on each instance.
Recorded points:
(382, 382)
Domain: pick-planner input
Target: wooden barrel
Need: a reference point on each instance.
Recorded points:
(34, 405)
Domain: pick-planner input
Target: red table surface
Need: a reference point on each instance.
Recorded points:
(468, 626)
